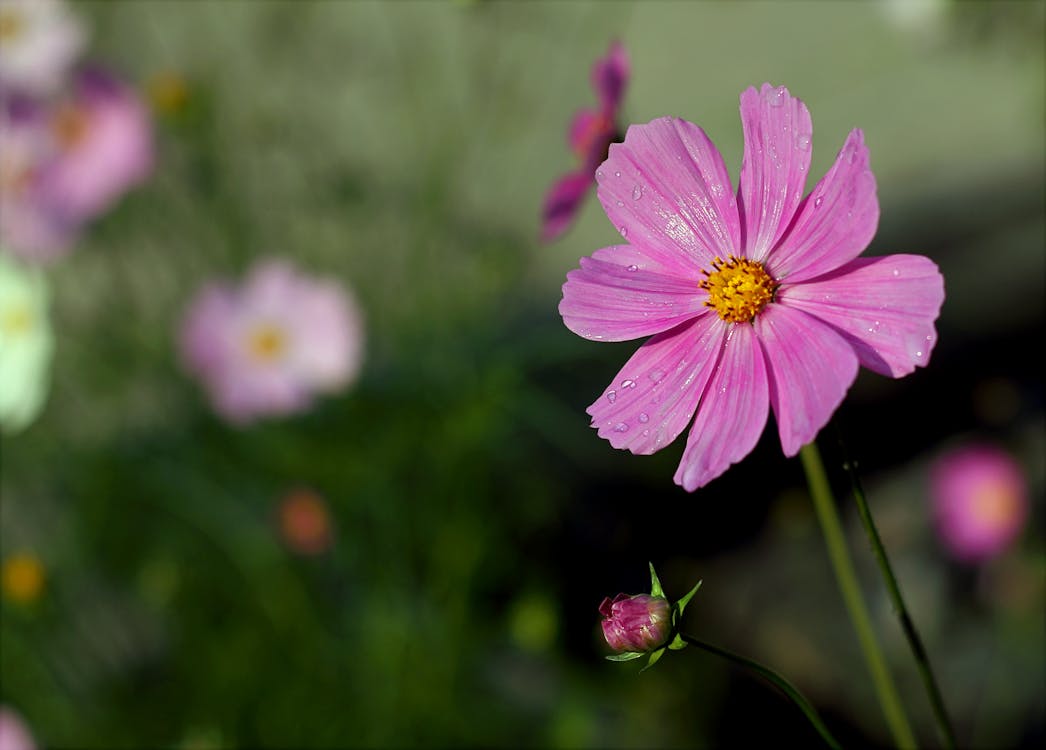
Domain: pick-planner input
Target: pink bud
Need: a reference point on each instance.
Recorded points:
(636, 623)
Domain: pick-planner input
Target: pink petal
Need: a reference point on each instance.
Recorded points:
(811, 368)
(884, 306)
(777, 130)
(731, 414)
(610, 76)
(835, 222)
(667, 191)
(580, 133)
(619, 294)
(562, 204)
(655, 394)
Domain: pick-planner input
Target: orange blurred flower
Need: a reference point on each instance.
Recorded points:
(305, 523)
(23, 578)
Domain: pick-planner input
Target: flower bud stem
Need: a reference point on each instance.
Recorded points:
(824, 505)
(777, 680)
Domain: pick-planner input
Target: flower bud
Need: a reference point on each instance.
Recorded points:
(636, 623)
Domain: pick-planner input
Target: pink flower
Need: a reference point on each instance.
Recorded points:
(589, 136)
(980, 501)
(753, 300)
(269, 346)
(39, 42)
(30, 228)
(637, 623)
(14, 734)
(103, 147)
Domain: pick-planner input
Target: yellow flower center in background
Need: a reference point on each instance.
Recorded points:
(738, 288)
(994, 505)
(23, 578)
(69, 125)
(10, 25)
(15, 321)
(168, 92)
(267, 343)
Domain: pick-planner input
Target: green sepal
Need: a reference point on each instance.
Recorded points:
(677, 643)
(653, 659)
(681, 604)
(626, 656)
(655, 584)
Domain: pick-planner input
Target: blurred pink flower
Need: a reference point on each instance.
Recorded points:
(979, 497)
(103, 147)
(29, 227)
(268, 346)
(40, 41)
(589, 136)
(636, 623)
(753, 300)
(14, 734)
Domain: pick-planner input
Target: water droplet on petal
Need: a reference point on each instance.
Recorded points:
(802, 141)
(918, 354)
(818, 201)
(775, 97)
(644, 417)
(623, 230)
(599, 173)
(896, 272)
(611, 396)
(657, 375)
(617, 174)
(637, 192)
(628, 383)
(632, 267)
(620, 203)
(621, 427)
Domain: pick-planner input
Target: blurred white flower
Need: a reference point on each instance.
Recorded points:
(26, 344)
(39, 42)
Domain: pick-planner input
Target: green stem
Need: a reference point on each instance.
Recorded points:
(832, 528)
(780, 682)
(922, 660)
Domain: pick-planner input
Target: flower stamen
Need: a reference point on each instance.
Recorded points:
(738, 288)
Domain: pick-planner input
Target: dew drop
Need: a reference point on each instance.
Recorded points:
(803, 141)
(657, 375)
(620, 203)
(646, 433)
(611, 396)
(644, 417)
(623, 230)
(628, 383)
(599, 173)
(637, 192)
(896, 272)
(775, 97)
(617, 174)
(818, 201)
(632, 267)
(621, 427)
(918, 354)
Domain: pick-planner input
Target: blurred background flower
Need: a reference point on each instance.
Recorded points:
(26, 344)
(40, 40)
(14, 734)
(268, 347)
(304, 522)
(980, 501)
(404, 150)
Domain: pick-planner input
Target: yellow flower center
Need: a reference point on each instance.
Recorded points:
(15, 320)
(70, 125)
(10, 25)
(23, 578)
(738, 288)
(266, 343)
(994, 505)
